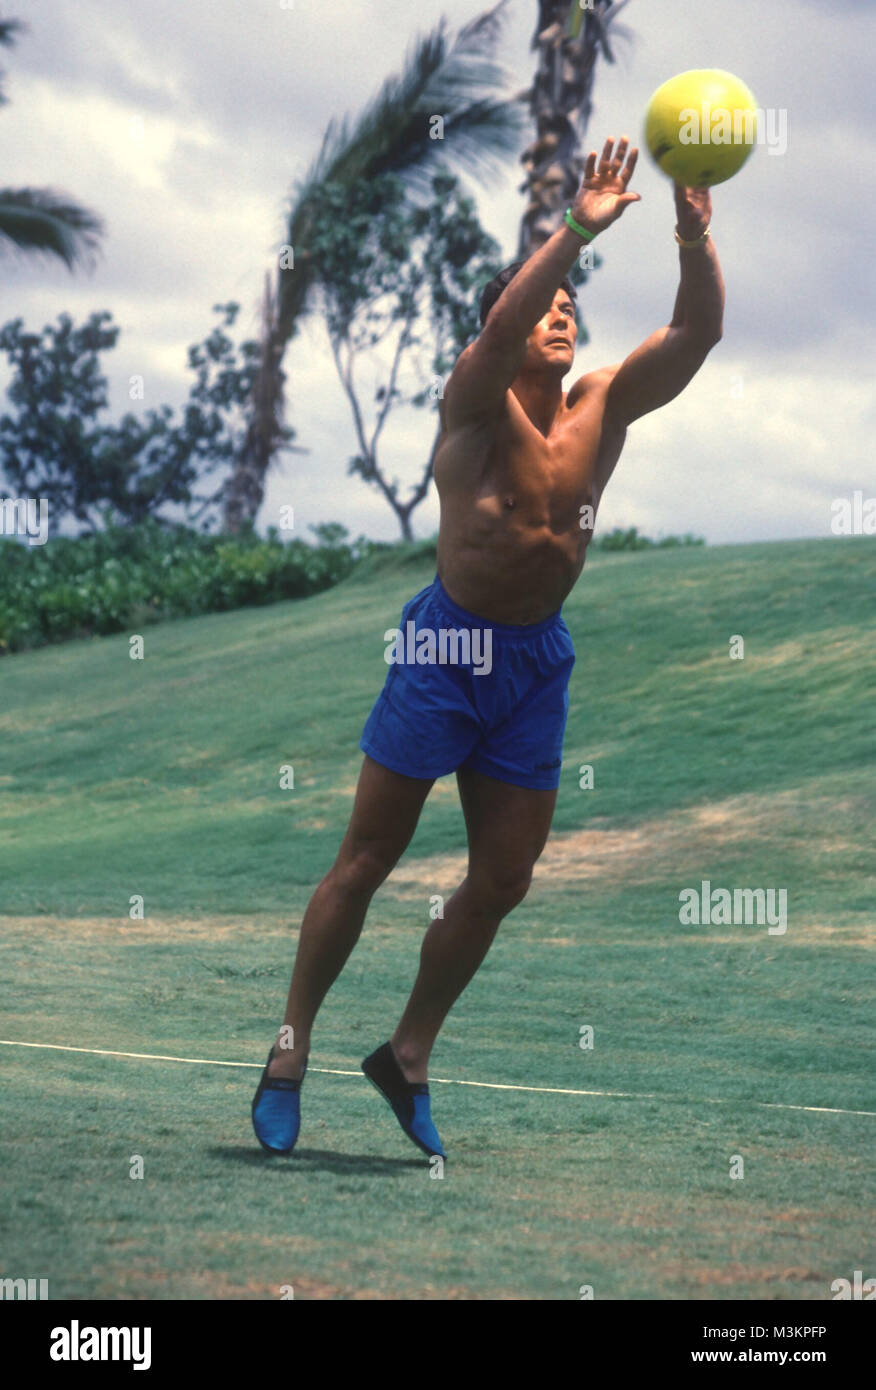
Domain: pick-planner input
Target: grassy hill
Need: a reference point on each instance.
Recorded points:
(161, 778)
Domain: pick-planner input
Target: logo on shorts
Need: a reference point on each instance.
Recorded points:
(548, 767)
(449, 646)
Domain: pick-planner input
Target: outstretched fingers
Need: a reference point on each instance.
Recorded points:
(612, 163)
(619, 154)
(627, 172)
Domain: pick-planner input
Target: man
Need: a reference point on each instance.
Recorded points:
(520, 470)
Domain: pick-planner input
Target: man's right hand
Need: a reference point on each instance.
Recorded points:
(603, 194)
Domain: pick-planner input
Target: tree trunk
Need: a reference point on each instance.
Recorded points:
(560, 101)
(244, 491)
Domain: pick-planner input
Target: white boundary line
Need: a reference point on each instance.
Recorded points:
(445, 1080)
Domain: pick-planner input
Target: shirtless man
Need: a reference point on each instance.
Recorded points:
(517, 466)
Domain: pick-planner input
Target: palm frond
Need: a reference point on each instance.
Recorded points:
(8, 30)
(481, 134)
(42, 221)
(614, 10)
(392, 133)
(460, 82)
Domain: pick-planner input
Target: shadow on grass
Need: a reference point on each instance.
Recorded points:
(325, 1159)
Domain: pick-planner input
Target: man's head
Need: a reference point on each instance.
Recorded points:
(543, 346)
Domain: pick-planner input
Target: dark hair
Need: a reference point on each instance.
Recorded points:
(491, 292)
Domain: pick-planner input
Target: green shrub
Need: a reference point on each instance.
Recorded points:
(122, 578)
(629, 539)
(125, 577)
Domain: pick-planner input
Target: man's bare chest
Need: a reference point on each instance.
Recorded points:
(527, 470)
(565, 465)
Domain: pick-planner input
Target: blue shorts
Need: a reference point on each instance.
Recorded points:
(465, 692)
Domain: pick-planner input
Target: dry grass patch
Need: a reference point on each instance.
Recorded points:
(119, 930)
(640, 854)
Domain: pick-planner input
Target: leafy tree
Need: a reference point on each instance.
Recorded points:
(217, 415)
(386, 267)
(461, 83)
(56, 442)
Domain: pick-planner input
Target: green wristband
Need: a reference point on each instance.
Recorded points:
(576, 226)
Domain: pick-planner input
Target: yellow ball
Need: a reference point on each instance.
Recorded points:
(700, 127)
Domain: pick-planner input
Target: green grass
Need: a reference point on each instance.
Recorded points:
(161, 778)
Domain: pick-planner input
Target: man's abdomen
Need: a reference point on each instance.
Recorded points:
(506, 569)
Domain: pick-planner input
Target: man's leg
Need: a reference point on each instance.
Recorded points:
(507, 829)
(385, 814)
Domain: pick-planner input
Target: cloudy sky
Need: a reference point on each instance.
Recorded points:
(185, 122)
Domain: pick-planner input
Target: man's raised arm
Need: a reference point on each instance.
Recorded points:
(488, 366)
(665, 362)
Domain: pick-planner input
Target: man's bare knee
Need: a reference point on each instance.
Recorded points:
(498, 891)
(361, 868)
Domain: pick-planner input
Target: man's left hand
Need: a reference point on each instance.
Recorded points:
(693, 207)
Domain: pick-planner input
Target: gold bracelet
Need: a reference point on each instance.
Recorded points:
(700, 241)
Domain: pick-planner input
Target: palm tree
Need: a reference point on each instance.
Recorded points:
(569, 38)
(463, 84)
(39, 220)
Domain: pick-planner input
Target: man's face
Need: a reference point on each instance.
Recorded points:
(551, 344)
